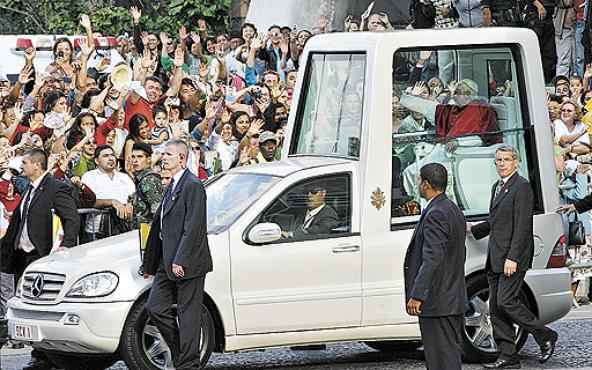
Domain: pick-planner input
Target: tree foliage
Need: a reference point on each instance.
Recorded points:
(108, 17)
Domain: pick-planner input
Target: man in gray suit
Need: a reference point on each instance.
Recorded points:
(435, 272)
(510, 254)
(178, 255)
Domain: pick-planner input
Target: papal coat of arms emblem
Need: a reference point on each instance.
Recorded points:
(378, 198)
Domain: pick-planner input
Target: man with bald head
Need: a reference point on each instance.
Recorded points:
(178, 255)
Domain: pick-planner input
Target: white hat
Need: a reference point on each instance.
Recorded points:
(3, 76)
(136, 87)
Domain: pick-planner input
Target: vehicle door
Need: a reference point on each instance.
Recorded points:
(310, 278)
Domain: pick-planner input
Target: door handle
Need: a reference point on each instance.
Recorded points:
(346, 249)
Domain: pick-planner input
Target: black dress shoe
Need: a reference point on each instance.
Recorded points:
(548, 348)
(504, 364)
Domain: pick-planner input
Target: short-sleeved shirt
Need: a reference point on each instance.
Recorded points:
(119, 187)
(562, 130)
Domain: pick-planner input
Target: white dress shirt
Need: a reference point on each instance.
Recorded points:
(25, 242)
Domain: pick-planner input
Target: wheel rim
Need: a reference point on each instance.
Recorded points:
(478, 328)
(156, 349)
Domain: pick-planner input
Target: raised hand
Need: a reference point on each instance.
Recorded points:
(417, 88)
(30, 55)
(201, 25)
(285, 45)
(255, 128)
(245, 156)
(26, 74)
(195, 37)
(136, 14)
(257, 43)
(179, 57)
(144, 36)
(164, 38)
(85, 22)
(183, 34)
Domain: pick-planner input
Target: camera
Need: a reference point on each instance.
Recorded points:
(60, 54)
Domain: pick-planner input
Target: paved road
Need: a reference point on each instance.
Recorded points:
(573, 352)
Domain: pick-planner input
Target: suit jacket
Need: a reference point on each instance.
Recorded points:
(509, 225)
(322, 223)
(435, 260)
(184, 232)
(51, 194)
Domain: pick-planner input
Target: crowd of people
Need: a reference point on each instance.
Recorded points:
(103, 121)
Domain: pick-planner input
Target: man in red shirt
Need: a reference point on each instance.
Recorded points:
(143, 99)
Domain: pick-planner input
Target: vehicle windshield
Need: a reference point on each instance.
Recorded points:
(330, 119)
(231, 194)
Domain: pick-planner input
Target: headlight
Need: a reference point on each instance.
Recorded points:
(19, 289)
(94, 285)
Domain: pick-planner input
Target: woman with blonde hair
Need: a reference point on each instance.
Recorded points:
(570, 132)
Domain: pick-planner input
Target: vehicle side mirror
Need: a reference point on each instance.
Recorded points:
(264, 233)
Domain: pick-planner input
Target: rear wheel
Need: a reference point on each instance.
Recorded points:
(478, 344)
(142, 347)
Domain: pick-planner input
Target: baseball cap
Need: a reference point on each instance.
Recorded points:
(266, 136)
(3, 76)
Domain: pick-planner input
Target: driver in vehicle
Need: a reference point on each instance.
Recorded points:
(319, 217)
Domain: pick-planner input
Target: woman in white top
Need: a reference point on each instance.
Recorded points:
(570, 132)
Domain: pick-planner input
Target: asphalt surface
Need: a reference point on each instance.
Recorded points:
(573, 351)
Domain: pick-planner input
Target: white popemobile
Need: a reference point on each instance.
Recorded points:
(273, 286)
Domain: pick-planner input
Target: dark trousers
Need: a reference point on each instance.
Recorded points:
(183, 339)
(507, 309)
(441, 338)
(21, 261)
(545, 31)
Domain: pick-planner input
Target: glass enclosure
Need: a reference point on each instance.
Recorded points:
(329, 120)
(455, 107)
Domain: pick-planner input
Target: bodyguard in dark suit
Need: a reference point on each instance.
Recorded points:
(29, 236)
(435, 274)
(178, 255)
(511, 249)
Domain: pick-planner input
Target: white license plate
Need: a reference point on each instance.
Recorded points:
(24, 332)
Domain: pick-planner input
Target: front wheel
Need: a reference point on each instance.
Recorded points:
(142, 347)
(478, 344)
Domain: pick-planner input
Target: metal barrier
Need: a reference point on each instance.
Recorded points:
(99, 230)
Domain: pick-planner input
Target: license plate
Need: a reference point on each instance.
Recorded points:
(24, 332)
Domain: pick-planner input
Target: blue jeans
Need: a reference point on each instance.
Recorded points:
(579, 62)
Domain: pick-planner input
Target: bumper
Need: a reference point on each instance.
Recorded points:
(551, 289)
(68, 327)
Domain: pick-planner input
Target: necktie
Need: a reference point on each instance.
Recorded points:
(498, 188)
(168, 196)
(24, 214)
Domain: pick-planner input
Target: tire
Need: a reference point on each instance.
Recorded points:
(390, 346)
(478, 344)
(136, 344)
(81, 361)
